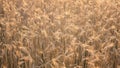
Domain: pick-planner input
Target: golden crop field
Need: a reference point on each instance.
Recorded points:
(59, 33)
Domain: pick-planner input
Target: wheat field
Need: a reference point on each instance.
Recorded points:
(59, 33)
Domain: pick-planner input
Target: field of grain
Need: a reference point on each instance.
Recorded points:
(59, 33)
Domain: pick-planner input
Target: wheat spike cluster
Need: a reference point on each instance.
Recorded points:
(59, 33)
